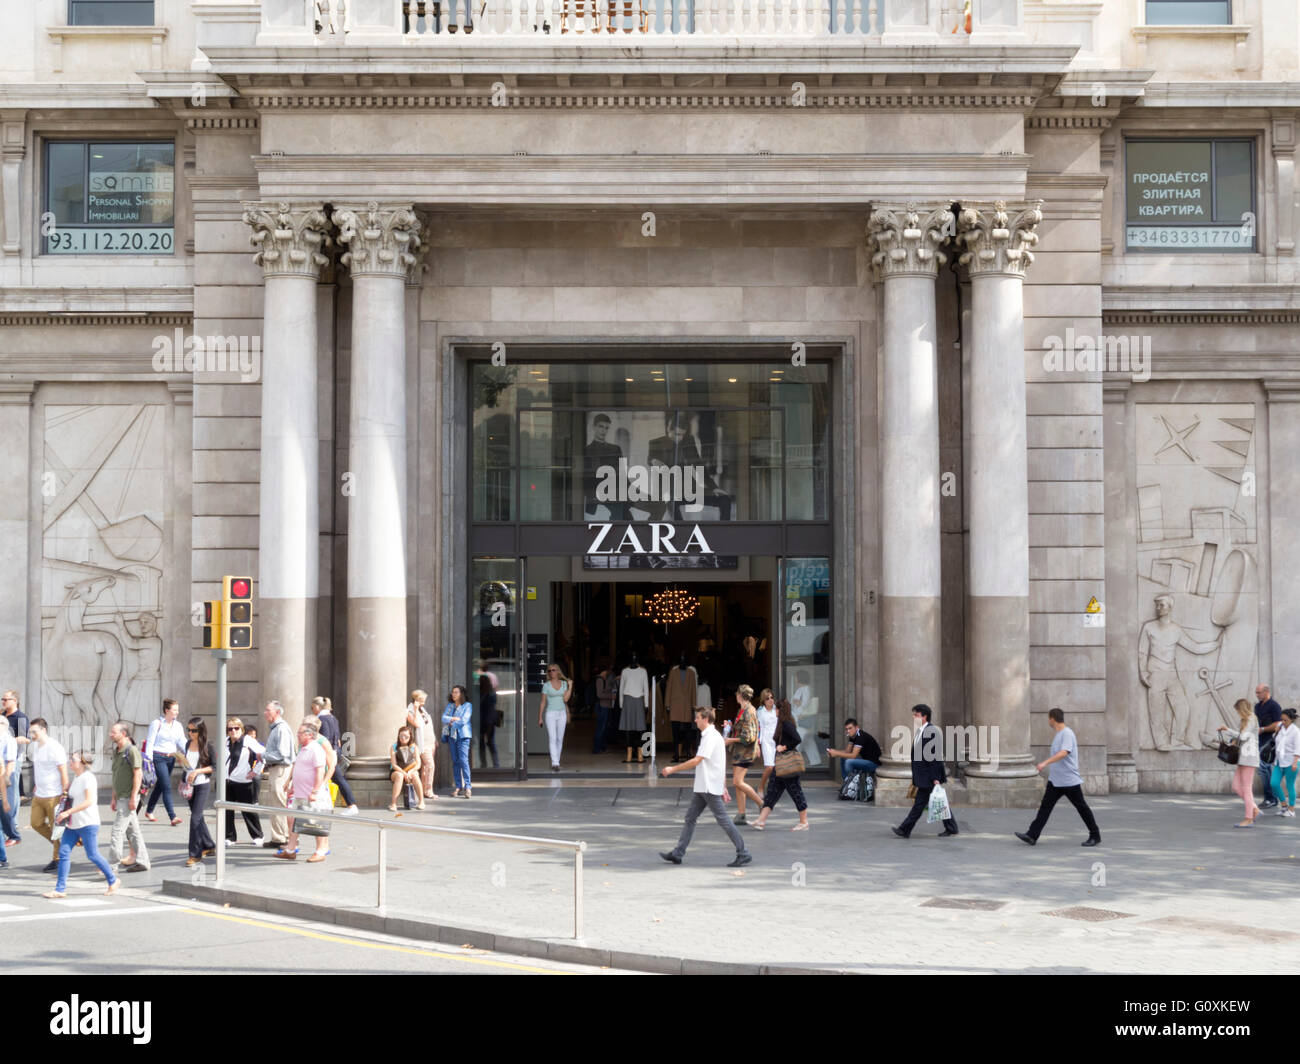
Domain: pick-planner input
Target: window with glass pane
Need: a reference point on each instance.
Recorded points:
(110, 13)
(1189, 12)
(744, 442)
(806, 668)
(1190, 195)
(110, 197)
(494, 620)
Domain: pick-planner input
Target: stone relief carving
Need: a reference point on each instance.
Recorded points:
(101, 594)
(1197, 569)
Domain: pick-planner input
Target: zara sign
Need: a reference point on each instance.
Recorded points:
(657, 537)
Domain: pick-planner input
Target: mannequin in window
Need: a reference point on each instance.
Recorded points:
(633, 696)
(679, 694)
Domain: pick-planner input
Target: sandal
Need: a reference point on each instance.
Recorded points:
(420, 807)
(54, 894)
(800, 827)
(288, 855)
(151, 818)
(177, 820)
(392, 809)
(112, 887)
(316, 858)
(758, 825)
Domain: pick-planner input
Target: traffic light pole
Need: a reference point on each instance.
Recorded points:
(219, 769)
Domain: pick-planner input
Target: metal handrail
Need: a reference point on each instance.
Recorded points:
(383, 825)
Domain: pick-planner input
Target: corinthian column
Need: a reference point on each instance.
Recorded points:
(288, 241)
(380, 242)
(997, 242)
(906, 259)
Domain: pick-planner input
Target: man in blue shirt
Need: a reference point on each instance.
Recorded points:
(1063, 779)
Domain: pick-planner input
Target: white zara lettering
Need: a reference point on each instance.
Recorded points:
(77, 1017)
(653, 483)
(660, 536)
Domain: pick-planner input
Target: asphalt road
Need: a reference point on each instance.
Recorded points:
(137, 931)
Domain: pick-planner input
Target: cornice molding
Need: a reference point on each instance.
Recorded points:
(777, 98)
(8, 319)
(1200, 299)
(240, 120)
(1202, 317)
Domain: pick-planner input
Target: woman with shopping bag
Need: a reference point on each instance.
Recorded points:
(787, 767)
(928, 775)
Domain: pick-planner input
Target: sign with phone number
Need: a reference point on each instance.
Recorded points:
(1225, 237)
(110, 241)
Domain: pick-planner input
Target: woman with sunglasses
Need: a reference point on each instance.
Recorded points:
(82, 820)
(198, 756)
(553, 711)
(243, 754)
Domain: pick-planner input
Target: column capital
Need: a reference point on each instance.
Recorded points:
(382, 239)
(288, 238)
(419, 252)
(908, 239)
(997, 239)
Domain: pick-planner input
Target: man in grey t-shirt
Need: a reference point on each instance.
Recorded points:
(1063, 779)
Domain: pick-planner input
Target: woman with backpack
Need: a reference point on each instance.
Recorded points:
(787, 739)
(744, 742)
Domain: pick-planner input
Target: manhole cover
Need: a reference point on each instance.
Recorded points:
(1088, 914)
(986, 904)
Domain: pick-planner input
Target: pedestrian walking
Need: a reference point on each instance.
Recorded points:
(1286, 750)
(553, 711)
(49, 779)
(744, 742)
(8, 795)
(279, 755)
(310, 791)
(1247, 736)
(710, 764)
(606, 690)
(1063, 780)
(198, 758)
(1269, 715)
(243, 763)
(767, 717)
(16, 720)
(330, 731)
(404, 765)
(786, 741)
(166, 737)
(82, 820)
(127, 773)
(456, 727)
(426, 739)
(927, 772)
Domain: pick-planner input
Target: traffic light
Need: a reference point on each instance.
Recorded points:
(213, 636)
(237, 612)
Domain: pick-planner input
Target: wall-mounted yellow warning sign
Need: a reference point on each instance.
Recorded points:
(1093, 606)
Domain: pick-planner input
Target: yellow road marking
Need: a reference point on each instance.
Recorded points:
(376, 945)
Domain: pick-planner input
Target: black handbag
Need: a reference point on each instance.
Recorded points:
(1229, 751)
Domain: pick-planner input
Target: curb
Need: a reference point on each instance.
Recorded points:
(428, 931)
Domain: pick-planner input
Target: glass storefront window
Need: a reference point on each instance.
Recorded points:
(745, 442)
(494, 624)
(806, 664)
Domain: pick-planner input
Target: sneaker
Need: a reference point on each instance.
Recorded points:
(1290, 812)
(1025, 837)
(741, 859)
(1281, 811)
(4, 866)
(740, 821)
(53, 866)
(351, 810)
(12, 842)
(671, 857)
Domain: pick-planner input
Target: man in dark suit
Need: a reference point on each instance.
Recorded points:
(676, 447)
(927, 770)
(600, 453)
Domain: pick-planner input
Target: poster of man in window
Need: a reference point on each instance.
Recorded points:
(653, 471)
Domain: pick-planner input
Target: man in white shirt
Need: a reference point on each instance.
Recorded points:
(710, 765)
(8, 807)
(50, 782)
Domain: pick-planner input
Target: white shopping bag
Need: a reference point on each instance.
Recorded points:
(938, 808)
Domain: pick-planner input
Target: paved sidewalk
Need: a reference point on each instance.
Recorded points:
(846, 895)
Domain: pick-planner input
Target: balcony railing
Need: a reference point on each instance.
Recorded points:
(621, 22)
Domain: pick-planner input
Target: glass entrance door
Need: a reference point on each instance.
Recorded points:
(494, 663)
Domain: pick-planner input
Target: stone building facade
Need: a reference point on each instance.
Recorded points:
(1042, 263)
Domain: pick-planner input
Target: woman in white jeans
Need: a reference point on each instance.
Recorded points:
(553, 711)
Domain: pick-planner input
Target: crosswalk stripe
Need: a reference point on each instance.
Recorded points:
(73, 914)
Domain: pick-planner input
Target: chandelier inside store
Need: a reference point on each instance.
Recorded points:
(670, 606)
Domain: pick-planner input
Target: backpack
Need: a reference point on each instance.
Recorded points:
(859, 787)
(148, 775)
